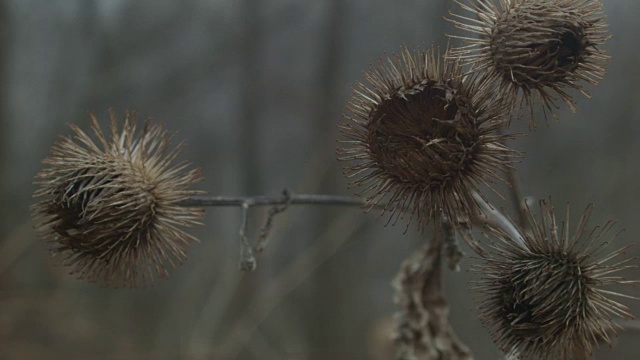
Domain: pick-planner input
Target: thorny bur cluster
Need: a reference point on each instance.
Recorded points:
(424, 136)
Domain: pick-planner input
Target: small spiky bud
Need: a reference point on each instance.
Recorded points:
(111, 208)
(543, 296)
(536, 48)
(421, 136)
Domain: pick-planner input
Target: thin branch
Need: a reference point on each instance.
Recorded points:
(265, 231)
(489, 215)
(266, 200)
(279, 204)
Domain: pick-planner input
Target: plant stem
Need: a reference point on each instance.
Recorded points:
(265, 200)
(493, 217)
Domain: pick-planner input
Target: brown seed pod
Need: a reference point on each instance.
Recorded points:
(421, 136)
(545, 297)
(110, 206)
(535, 49)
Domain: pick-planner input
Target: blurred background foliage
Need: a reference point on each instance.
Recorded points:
(256, 88)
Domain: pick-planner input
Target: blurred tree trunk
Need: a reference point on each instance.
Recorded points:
(5, 27)
(94, 40)
(250, 55)
(251, 43)
(327, 112)
(326, 325)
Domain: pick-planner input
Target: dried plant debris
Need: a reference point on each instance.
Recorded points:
(535, 49)
(109, 204)
(421, 137)
(546, 298)
(423, 330)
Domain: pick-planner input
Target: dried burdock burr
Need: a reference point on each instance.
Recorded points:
(109, 204)
(535, 49)
(546, 296)
(421, 137)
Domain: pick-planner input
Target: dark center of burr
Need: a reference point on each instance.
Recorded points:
(422, 136)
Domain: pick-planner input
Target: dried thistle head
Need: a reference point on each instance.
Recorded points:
(421, 136)
(546, 298)
(538, 49)
(110, 205)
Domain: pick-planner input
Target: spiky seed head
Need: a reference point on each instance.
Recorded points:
(421, 137)
(109, 204)
(545, 297)
(535, 49)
